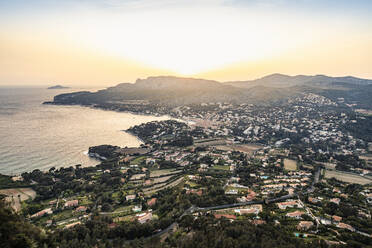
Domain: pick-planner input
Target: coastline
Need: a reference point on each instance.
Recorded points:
(70, 149)
(92, 106)
(138, 138)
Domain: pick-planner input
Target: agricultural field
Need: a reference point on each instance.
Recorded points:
(210, 142)
(347, 177)
(290, 164)
(161, 179)
(221, 167)
(201, 122)
(166, 172)
(191, 184)
(156, 188)
(240, 190)
(308, 166)
(119, 212)
(367, 158)
(138, 160)
(137, 177)
(124, 209)
(245, 148)
(63, 217)
(124, 218)
(330, 166)
(364, 111)
(17, 195)
(83, 200)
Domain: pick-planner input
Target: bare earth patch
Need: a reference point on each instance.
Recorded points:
(347, 177)
(210, 142)
(166, 172)
(137, 177)
(290, 164)
(245, 148)
(16, 195)
(364, 111)
(161, 179)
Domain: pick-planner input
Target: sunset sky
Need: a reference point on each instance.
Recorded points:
(105, 42)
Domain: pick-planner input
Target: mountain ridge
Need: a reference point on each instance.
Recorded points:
(278, 80)
(172, 91)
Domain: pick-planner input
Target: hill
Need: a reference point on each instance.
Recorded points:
(281, 80)
(169, 91)
(172, 91)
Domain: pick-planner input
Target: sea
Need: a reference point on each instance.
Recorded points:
(37, 136)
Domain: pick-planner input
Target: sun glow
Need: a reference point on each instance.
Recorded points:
(182, 42)
(107, 41)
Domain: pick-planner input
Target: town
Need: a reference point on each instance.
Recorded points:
(301, 167)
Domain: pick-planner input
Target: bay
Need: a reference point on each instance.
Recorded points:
(37, 136)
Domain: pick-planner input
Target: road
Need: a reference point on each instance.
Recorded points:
(195, 209)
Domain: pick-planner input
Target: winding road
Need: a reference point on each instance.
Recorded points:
(194, 209)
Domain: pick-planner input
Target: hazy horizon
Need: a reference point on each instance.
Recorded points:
(104, 85)
(105, 42)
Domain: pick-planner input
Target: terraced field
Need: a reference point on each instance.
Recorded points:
(161, 179)
(158, 187)
(161, 173)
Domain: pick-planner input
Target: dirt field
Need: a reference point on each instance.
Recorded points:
(364, 111)
(290, 164)
(161, 179)
(307, 166)
(133, 151)
(221, 167)
(137, 177)
(208, 142)
(245, 148)
(202, 122)
(346, 177)
(12, 196)
(159, 173)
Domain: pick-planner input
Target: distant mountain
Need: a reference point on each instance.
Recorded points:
(173, 91)
(170, 82)
(281, 80)
(169, 91)
(57, 87)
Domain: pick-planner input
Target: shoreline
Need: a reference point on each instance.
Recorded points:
(107, 109)
(86, 152)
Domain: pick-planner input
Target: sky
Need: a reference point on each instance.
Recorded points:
(105, 42)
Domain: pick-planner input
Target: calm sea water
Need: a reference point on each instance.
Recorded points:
(36, 136)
